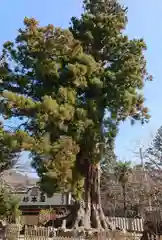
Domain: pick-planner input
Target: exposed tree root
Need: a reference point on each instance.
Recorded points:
(79, 218)
(91, 218)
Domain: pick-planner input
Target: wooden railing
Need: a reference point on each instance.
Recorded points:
(41, 233)
(129, 224)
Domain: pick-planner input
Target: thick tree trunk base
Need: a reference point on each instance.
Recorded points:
(79, 218)
(98, 219)
(93, 217)
(88, 214)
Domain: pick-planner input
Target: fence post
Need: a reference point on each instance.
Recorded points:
(130, 224)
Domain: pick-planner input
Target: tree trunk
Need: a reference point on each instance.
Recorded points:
(98, 217)
(93, 213)
(124, 200)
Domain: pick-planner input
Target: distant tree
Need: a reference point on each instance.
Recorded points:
(153, 154)
(109, 159)
(122, 172)
(108, 163)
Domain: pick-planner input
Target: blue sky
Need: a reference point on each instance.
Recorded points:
(144, 21)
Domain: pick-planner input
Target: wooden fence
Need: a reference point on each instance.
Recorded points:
(129, 224)
(41, 233)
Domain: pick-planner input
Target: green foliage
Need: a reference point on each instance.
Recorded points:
(9, 150)
(122, 171)
(45, 215)
(108, 163)
(153, 154)
(73, 87)
(153, 157)
(9, 203)
(100, 30)
(109, 159)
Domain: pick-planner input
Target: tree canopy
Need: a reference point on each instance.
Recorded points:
(71, 88)
(9, 152)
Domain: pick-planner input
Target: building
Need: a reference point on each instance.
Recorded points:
(32, 201)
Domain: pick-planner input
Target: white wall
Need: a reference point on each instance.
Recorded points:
(56, 199)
